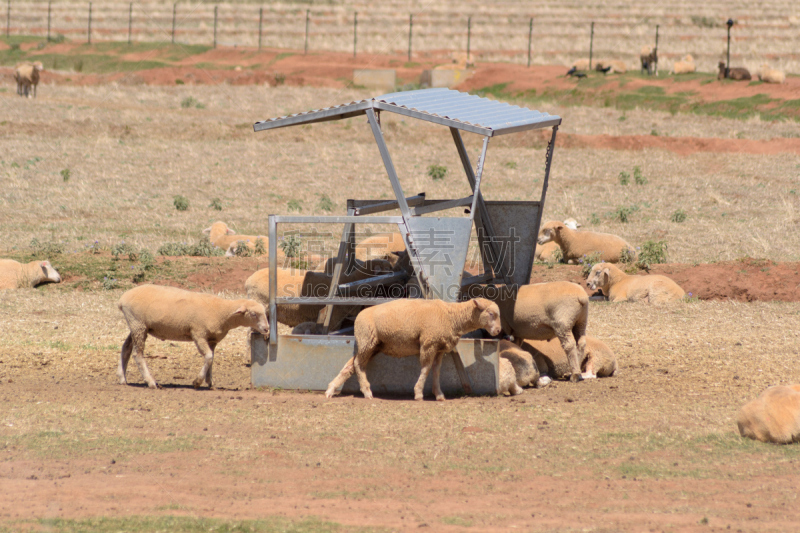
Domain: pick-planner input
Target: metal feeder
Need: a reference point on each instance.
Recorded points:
(437, 246)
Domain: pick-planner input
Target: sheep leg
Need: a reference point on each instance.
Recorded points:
(589, 373)
(343, 376)
(437, 369)
(138, 356)
(571, 349)
(206, 349)
(124, 357)
(360, 364)
(427, 358)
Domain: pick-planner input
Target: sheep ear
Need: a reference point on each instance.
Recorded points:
(481, 304)
(242, 310)
(230, 232)
(207, 231)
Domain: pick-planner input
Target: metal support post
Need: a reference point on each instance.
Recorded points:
(591, 46)
(273, 280)
(174, 16)
(260, 25)
(308, 16)
(551, 146)
(469, 35)
(216, 13)
(89, 40)
(355, 32)
(530, 38)
(410, 29)
(655, 53)
(728, 62)
(49, 11)
(130, 21)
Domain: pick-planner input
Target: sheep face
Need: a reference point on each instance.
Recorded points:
(490, 315)
(254, 315)
(571, 223)
(50, 273)
(549, 232)
(598, 277)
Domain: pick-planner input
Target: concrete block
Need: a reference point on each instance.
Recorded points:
(381, 79)
(443, 78)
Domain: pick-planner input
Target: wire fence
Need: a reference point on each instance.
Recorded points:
(499, 32)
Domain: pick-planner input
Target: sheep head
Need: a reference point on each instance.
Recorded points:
(571, 223)
(490, 315)
(38, 66)
(50, 273)
(550, 231)
(217, 229)
(599, 276)
(254, 314)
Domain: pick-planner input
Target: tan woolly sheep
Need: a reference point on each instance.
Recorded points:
(402, 328)
(27, 77)
(168, 313)
(551, 360)
(736, 73)
(379, 245)
(772, 417)
(222, 236)
(685, 66)
(618, 286)
(576, 244)
(771, 75)
(613, 66)
(547, 251)
(543, 311)
(580, 64)
(14, 275)
(517, 368)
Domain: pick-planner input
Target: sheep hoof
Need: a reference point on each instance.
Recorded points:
(588, 375)
(418, 397)
(329, 393)
(153, 385)
(440, 398)
(576, 378)
(543, 382)
(196, 383)
(368, 395)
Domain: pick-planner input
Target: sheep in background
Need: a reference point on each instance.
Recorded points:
(379, 245)
(17, 75)
(576, 244)
(552, 362)
(772, 417)
(618, 286)
(685, 66)
(27, 77)
(649, 58)
(771, 75)
(222, 236)
(14, 275)
(580, 64)
(612, 66)
(402, 328)
(545, 252)
(737, 73)
(168, 313)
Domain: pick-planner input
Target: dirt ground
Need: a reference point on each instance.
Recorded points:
(654, 448)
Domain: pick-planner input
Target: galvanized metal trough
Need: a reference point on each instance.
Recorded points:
(437, 247)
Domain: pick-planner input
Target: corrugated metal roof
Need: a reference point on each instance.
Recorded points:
(443, 106)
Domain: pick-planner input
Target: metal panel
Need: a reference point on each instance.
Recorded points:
(433, 207)
(311, 362)
(441, 244)
(317, 115)
(515, 224)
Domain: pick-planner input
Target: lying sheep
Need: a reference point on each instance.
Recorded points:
(14, 275)
(295, 282)
(543, 311)
(552, 362)
(549, 251)
(402, 328)
(168, 313)
(517, 368)
(27, 78)
(223, 237)
(737, 73)
(613, 66)
(576, 244)
(379, 245)
(618, 286)
(772, 417)
(649, 58)
(685, 66)
(771, 75)
(580, 64)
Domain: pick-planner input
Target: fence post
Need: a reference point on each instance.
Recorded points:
(308, 16)
(530, 38)
(355, 32)
(174, 16)
(260, 23)
(410, 28)
(8, 18)
(591, 45)
(90, 24)
(130, 21)
(49, 10)
(655, 53)
(728, 61)
(469, 35)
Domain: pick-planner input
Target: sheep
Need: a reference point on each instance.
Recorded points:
(580, 64)
(14, 275)
(223, 237)
(737, 73)
(546, 252)
(379, 245)
(611, 66)
(771, 75)
(402, 328)
(27, 78)
(618, 286)
(296, 282)
(552, 362)
(169, 313)
(576, 244)
(542, 311)
(685, 66)
(517, 368)
(649, 58)
(772, 417)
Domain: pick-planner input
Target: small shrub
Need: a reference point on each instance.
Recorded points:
(280, 78)
(242, 250)
(638, 177)
(180, 82)
(174, 249)
(623, 214)
(291, 245)
(95, 248)
(65, 174)
(15, 47)
(45, 249)
(190, 101)
(180, 202)
(594, 220)
(325, 203)
(146, 259)
(510, 164)
(437, 172)
(204, 248)
(123, 248)
(652, 252)
(624, 178)
(654, 133)
(78, 66)
(216, 204)
(59, 38)
(588, 261)
(110, 284)
(294, 205)
(260, 247)
(627, 256)
(557, 256)
(679, 216)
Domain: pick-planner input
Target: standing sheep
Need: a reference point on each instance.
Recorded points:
(27, 77)
(618, 286)
(168, 313)
(737, 73)
(772, 417)
(685, 66)
(770, 75)
(402, 328)
(576, 244)
(649, 58)
(14, 275)
(551, 360)
(517, 368)
(542, 311)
